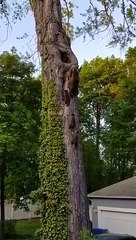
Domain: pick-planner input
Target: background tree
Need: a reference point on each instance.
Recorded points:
(121, 119)
(20, 101)
(97, 77)
(107, 99)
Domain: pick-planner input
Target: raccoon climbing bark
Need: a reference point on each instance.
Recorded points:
(60, 65)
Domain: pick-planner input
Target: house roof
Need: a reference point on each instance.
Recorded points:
(123, 189)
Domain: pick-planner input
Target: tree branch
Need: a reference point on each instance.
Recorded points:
(125, 19)
(8, 183)
(133, 2)
(67, 8)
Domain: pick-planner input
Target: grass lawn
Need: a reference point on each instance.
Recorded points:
(24, 229)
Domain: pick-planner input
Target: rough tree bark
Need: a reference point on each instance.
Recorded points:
(60, 64)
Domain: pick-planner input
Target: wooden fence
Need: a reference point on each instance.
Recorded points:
(15, 214)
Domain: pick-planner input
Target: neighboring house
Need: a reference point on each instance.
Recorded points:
(15, 214)
(114, 207)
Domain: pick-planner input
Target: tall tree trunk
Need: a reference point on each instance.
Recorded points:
(2, 200)
(60, 113)
(98, 116)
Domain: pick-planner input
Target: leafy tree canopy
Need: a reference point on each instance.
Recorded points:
(107, 105)
(20, 101)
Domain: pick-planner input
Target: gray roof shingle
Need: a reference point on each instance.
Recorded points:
(126, 188)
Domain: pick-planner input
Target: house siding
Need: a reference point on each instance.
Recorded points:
(117, 203)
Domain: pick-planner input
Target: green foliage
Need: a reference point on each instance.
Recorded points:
(21, 229)
(97, 78)
(107, 105)
(20, 100)
(9, 228)
(53, 169)
(120, 139)
(85, 235)
(25, 228)
(93, 169)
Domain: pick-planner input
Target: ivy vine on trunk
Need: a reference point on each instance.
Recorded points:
(64, 197)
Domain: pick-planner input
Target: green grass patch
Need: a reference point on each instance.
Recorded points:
(27, 227)
(23, 229)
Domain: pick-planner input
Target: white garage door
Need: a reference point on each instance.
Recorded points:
(117, 220)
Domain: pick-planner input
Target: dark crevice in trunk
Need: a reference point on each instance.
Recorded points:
(65, 58)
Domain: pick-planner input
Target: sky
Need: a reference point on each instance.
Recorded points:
(83, 50)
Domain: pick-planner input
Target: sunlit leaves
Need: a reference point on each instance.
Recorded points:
(109, 85)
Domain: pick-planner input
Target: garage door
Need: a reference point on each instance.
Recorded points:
(117, 220)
